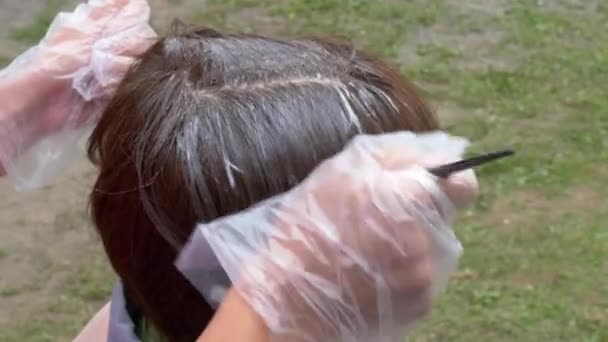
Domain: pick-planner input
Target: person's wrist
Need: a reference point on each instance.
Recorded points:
(283, 295)
(234, 308)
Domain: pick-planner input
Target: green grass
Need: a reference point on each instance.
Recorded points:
(82, 291)
(534, 77)
(4, 61)
(36, 29)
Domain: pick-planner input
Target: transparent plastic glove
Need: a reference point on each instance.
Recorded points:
(356, 252)
(52, 93)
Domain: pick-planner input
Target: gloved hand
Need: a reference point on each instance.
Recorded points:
(64, 82)
(356, 252)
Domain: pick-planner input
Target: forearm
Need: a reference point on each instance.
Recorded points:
(235, 320)
(97, 328)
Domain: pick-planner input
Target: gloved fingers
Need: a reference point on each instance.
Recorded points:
(461, 188)
(129, 43)
(386, 151)
(86, 22)
(120, 28)
(400, 150)
(438, 148)
(101, 9)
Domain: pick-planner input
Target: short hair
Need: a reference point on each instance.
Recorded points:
(207, 124)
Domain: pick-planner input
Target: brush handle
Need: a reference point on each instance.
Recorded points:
(446, 170)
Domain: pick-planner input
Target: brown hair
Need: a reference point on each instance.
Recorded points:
(207, 124)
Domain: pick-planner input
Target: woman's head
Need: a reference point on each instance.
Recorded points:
(207, 124)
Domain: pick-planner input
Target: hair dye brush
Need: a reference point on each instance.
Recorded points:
(446, 170)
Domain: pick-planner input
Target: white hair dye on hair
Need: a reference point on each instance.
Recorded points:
(350, 113)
